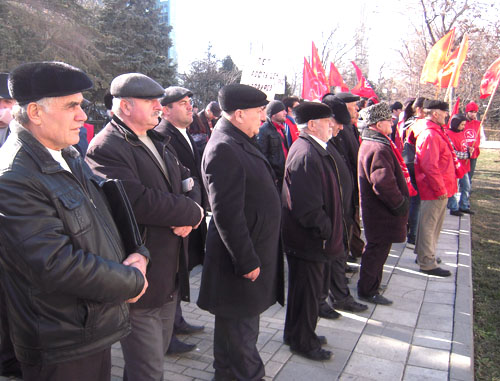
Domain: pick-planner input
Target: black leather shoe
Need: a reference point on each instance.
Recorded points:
(457, 213)
(351, 306)
(352, 259)
(188, 329)
(176, 346)
(376, 299)
(467, 211)
(322, 340)
(438, 271)
(329, 313)
(316, 355)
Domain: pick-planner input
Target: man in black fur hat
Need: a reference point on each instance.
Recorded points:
(313, 228)
(67, 272)
(243, 267)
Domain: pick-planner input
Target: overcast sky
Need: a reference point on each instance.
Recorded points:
(284, 32)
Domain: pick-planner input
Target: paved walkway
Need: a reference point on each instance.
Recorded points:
(425, 335)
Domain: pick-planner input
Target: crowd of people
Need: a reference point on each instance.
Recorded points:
(98, 235)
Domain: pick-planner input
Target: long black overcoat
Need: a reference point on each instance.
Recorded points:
(191, 159)
(384, 196)
(158, 203)
(244, 232)
(313, 225)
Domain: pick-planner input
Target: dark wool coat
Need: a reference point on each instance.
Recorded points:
(191, 159)
(313, 227)
(347, 143)
(244, 231)
(271, 145)
(158, 203)
(383, 192)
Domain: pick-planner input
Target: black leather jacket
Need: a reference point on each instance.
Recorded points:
(60, 256)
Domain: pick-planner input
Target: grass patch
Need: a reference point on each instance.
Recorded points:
(485, 201)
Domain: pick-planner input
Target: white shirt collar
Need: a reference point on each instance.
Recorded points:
(319, 141)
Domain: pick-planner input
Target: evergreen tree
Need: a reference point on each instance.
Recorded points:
(133, 40)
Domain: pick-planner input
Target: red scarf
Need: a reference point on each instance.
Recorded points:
(280, 130)
(402, 164)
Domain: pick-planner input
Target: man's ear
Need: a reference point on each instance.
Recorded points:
(126, 107)
(34, 111)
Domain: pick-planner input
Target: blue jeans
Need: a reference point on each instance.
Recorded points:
(460, 200)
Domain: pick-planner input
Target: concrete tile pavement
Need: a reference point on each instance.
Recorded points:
(425, 335)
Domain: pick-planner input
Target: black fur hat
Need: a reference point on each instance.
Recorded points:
(339, 109)
(33, 81)
(237, 96)
(307, 111)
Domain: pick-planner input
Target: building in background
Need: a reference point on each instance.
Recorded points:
(167, 16)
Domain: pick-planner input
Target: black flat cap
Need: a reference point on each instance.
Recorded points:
(136, 85)
(33, 81)
(339, 109)
(347, 97)
(307, 111)
(436, 104)
(174, 94)
(237, 96)
(274, 107)
(4, 89)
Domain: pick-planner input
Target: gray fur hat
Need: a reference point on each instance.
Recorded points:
(376, 113)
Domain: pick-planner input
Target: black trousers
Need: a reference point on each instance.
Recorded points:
(8, 361)
(372, 266)
(305, 285)
(235, 349)
(335, 284)
(356, 244)
(96, 367)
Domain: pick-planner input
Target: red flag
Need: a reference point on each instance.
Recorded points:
(319, 71)
(363, 88)
(437, 58)
(336, 79)
(311, 88)
(490, 79)
(454, 63)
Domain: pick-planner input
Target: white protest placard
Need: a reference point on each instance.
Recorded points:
(264, 75)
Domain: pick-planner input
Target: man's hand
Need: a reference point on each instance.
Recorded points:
(443, 196)
(137, 260)
(140, 262)
(182, 231)
(252, 275)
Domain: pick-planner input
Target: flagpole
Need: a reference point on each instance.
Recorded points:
(456, 66)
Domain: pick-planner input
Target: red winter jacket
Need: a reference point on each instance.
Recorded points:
(434, 167)
(472, 133)
(460, 143)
